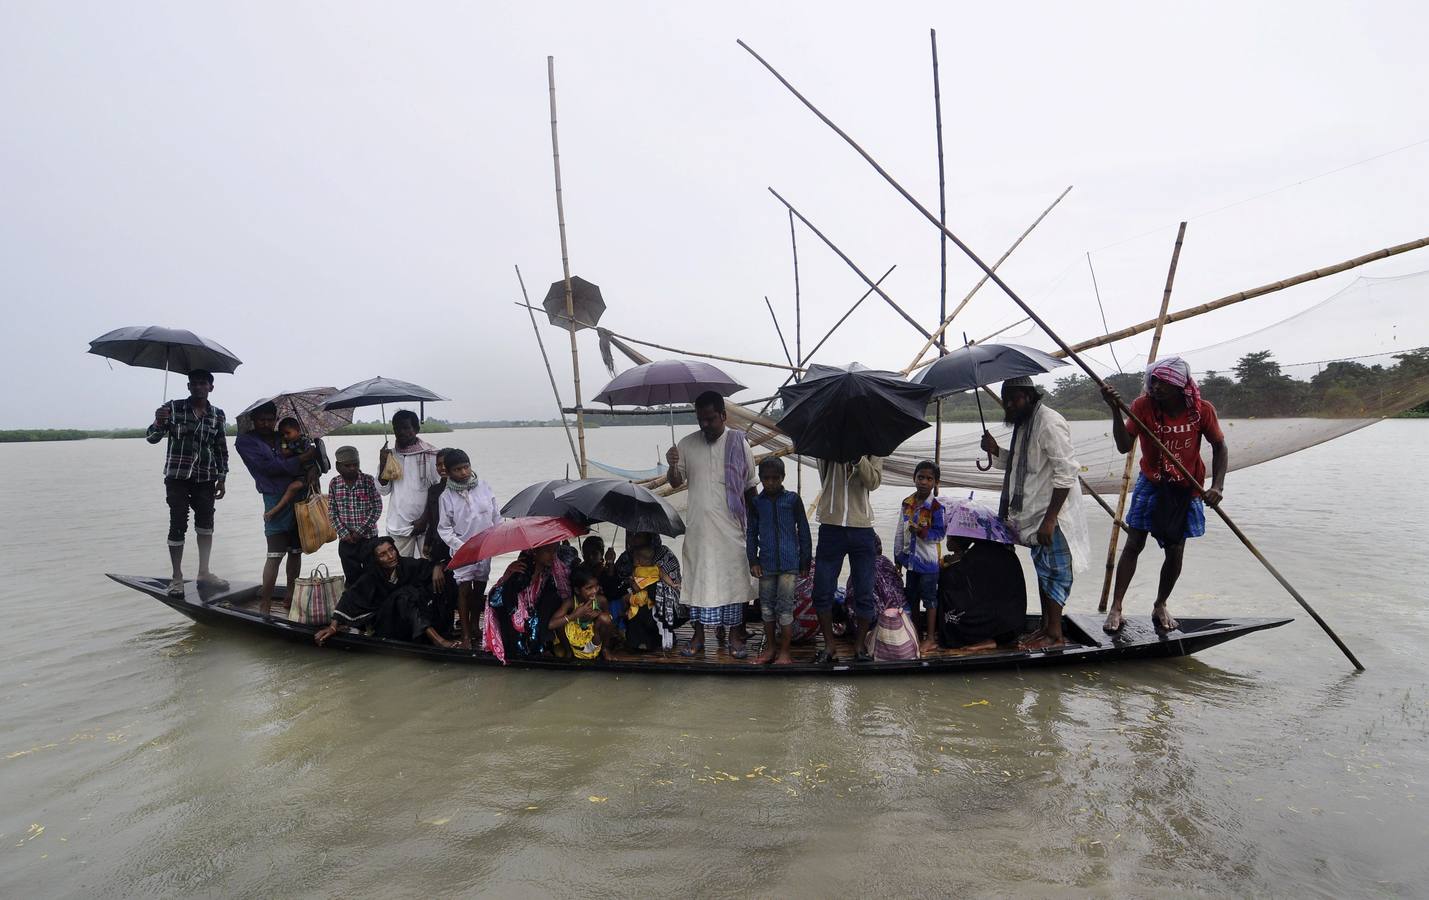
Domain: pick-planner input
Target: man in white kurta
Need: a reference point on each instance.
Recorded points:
(1042, 499)
(716, 582)
(407, 496)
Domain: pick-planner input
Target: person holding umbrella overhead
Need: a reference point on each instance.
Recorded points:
(1041, 499)
(195, 473)
(719, 468)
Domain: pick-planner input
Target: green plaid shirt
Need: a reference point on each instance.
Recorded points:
(197, 450)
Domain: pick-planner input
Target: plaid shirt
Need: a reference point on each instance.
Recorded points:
(355, 507)
(197, 449)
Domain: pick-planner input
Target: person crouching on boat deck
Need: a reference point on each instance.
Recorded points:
(647, 578)
(355, 506)
(393, 598)
(982, 597)
(272, 472)
(846, 530)
(195, 472)
(407, 510)
(1042, 500)
(532, 589)
(918, 544)
(583, 623)
(466, 507)
(780, 550)
(1163, 503)
(719, 467)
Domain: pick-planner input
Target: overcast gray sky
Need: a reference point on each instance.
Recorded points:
(339, 190)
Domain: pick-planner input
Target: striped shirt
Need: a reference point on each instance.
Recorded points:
(197, 449)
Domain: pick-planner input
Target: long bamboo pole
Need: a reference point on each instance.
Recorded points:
(779, 331)
(942, 243)
(560, 408)
(948, 319)
(798, 332)
(852, 265)
(733, 359)
(1069, 352)
(1131, 456)
(566, 266)
(1191, 312)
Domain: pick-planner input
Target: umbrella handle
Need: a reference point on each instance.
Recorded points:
(984, 468)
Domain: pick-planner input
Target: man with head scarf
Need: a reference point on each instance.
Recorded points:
(1041, 500)
(1163, 503)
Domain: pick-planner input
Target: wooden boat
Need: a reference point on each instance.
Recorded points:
(237, 608)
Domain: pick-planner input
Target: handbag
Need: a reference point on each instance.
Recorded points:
(315, 597)
(392, 469)
(314, 522)
(894, 637)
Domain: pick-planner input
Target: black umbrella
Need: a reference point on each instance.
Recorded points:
(968, 368)
(380, 391)
(845, 414)
(622, 503)
(589, 305)
(170, 349)
(538, 500)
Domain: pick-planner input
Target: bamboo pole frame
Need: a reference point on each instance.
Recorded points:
(917, 362)
(530, 311)
(1068, 351)
(942, 243)
(1131, 455)
(566, 266)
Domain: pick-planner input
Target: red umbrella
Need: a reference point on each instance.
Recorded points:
(508, 535)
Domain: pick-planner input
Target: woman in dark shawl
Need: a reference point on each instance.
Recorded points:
(522, 603)
(982, 597)
(393, 597)
(668, 612)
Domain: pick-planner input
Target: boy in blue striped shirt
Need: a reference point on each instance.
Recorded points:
(917, 546)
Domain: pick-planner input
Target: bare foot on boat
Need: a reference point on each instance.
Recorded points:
(693, 649)
(1041, 642)
(1034, 635)
(783, 659)
(765, 657)
(265, 609)
(1113, 622)
(929, 645)
(1161, 617)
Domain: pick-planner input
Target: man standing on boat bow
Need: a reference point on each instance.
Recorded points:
(195, 471)
(407, 508)
(719, 467)
(1163, 504)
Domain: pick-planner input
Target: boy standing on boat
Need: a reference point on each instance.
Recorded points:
(1042, 500)
(355, 506)
(918, 545)
(719, 467)
(466, 507)
(779, 547)
(195, 469)
(1163, 504)
(407, 510)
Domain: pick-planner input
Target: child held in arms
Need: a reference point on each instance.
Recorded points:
(583, 622)
(466, 507)
(779, 546)
(292, 442)
(917, 546)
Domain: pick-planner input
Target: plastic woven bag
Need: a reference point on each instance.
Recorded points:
(315, 597)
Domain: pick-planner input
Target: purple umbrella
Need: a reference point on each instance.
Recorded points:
(667, 381)
(971, 520)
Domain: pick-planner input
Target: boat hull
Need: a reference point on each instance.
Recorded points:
(236, 609)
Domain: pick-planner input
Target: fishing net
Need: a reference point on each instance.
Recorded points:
(1342, 364)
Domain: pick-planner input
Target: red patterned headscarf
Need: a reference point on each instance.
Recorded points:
(1174, 370)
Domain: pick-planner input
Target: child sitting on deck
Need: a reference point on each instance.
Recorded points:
(292, 442)
(779, 545)
(917, 546)
(583, 624)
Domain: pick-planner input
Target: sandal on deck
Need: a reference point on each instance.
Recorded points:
(176, 587)
(689, 651)
(212, 582)
(824, 658)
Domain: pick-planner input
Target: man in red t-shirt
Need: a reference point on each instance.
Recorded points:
(1163, 503)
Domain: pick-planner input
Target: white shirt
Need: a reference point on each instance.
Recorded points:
(408, 494)
(713, 564)
(1051, 464)
(461, 514)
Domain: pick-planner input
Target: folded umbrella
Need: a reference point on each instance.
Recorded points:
(844, 414)
(968, 368)
(510, 535)
(622, 503)
(305, 406)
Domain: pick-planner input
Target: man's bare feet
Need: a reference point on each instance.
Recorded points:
(1161, 618)
(766, 656)
(265, 609)
(783, 659)
(926, 646)
(1113, 623)
(1042, 642)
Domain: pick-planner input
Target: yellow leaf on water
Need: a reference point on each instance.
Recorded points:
(976, 703)
(442, 821)
(595, 799)
(533, 807)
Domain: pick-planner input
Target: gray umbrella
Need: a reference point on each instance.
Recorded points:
(379, 390)
(967, 368)
(622, 503)
(171, 349)
(538, 500)
(585, 297)
(667, 381)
